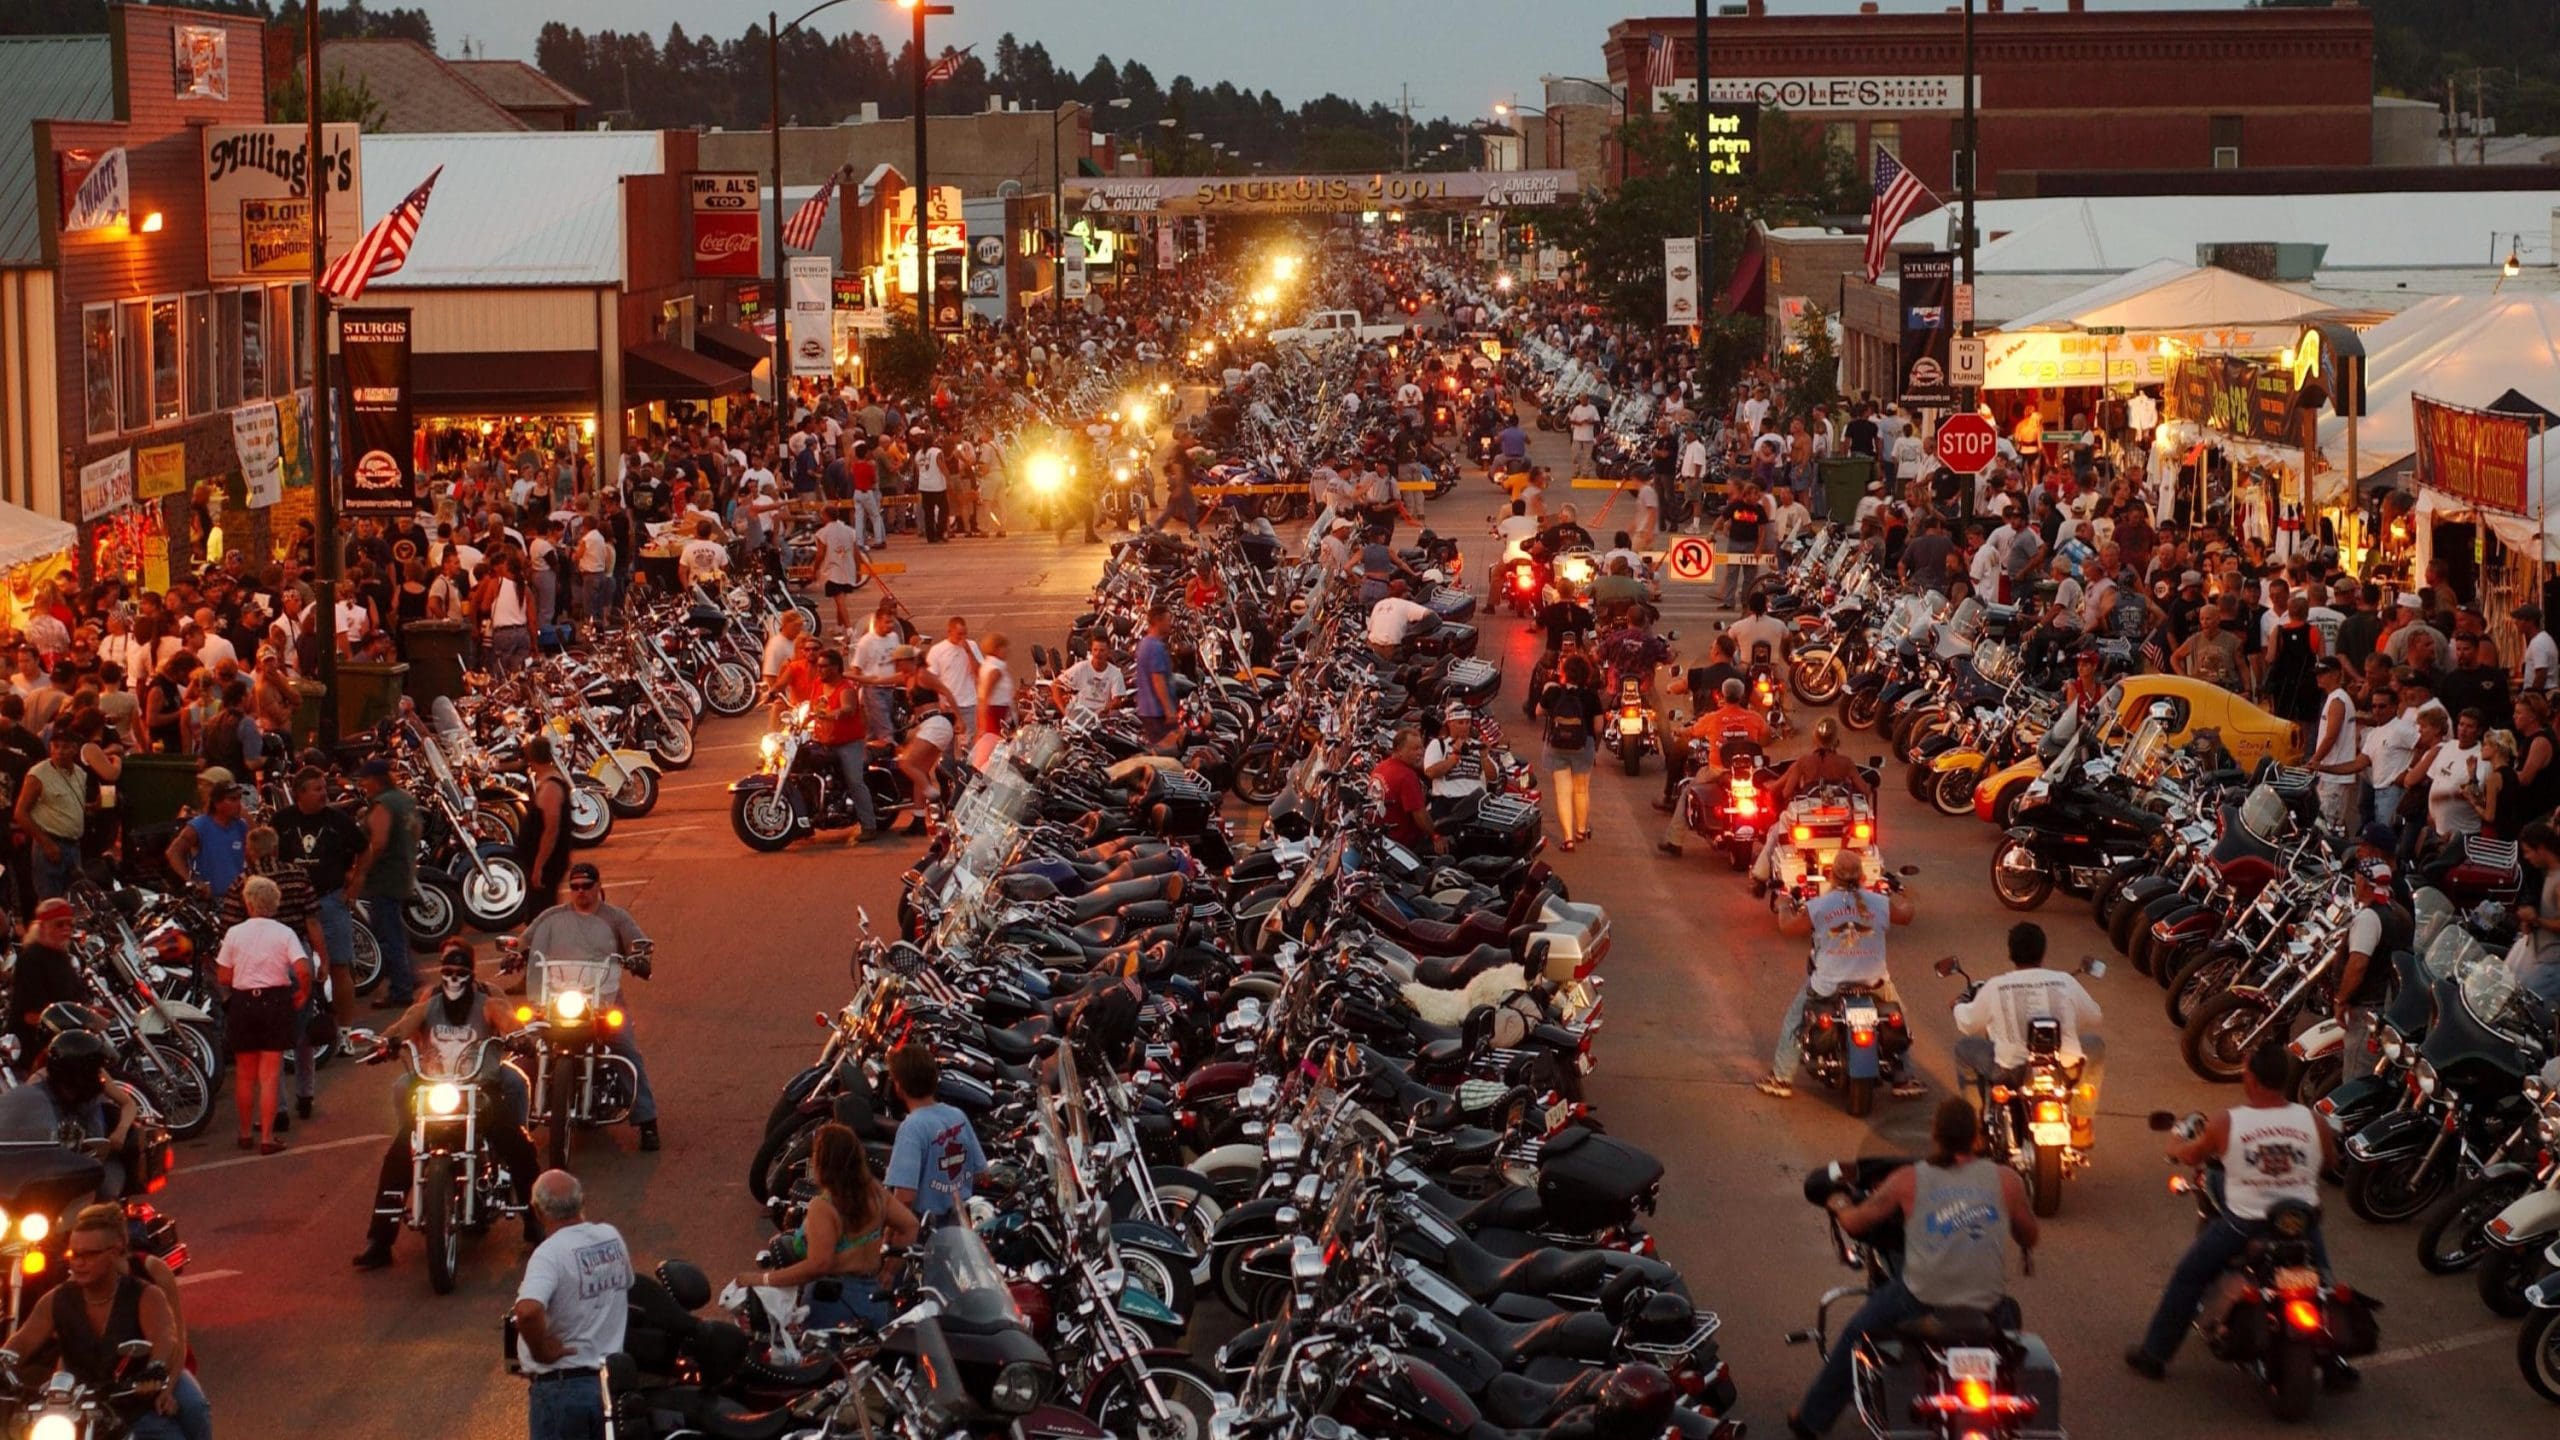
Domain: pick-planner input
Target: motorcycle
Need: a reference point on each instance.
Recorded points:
(456, 1185)
(797, 789)
(2026, 1115)
(1628, 730)
(573, 1079)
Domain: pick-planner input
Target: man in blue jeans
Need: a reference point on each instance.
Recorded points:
(570, 1312)
(385, 877)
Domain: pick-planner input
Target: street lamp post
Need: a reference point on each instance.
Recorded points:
(1555, 122)
(924, 182)
(1626, 118)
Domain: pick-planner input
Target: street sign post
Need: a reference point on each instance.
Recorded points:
(1965, 362)
(1690, 558)
(1967, 443)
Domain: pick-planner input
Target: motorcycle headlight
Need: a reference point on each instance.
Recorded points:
(1018, 1387)
(34, 1228)
(2392, 1044)
(54, 1425)
(444, 1097)
(570, 1004)
(770, 745)
(2426, 1077)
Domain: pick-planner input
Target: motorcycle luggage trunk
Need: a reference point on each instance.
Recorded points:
(1188, 802)
(1906, 1378)
(1589, 1181)
(1471, 681)
(1501, 826)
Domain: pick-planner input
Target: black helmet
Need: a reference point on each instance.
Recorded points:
(77, 1049)
(1636, 1400)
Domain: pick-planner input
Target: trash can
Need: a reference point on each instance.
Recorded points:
(1844, 483)
(306, 711)
(368, 694)
(154, 788)
(434, 650)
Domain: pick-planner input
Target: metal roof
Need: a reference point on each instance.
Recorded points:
(539, 208)
(420, 93)
(2386, 231)
(516, 85)
(43, 77)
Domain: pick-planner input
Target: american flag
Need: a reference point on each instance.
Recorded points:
(800, 232)
(1657, 63)
(946, 67)
(384, 248)
(1898, 193)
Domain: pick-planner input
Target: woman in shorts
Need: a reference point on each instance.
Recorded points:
(930, 734)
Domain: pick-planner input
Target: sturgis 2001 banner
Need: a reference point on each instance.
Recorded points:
(380, 477)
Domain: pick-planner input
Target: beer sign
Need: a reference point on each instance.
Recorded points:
(727, 222)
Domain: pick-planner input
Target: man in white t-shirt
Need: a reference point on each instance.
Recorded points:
(595, 571)
(839, 564)
(1092, 684)
(1584, 422)
(570, 1310)
(875, 662)
(2336, 745)
(1693, 476)
(1392, 618)
(706, 560)
(1454, 765)
(1515, 530)
(933, 491)
(954, 660)
(2541, 668)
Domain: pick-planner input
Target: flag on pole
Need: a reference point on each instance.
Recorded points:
(800, 232)
(1657, 63)
(1898, 193)
(948, 66)
(384, 248)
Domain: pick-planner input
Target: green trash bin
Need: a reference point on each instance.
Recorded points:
(434, 649)
(1844, 484)
(306, 711)
(154, 788)
(368, 694)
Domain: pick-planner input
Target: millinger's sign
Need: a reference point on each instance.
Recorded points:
(1317, 194)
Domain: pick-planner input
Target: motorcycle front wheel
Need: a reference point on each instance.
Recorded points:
(2018, 879)
(438, 1195)
(2389, 1192)
(495, 894)
(670, 745)
(638, 795)
(764, 819)
(434, 913)
(1863, 710)
(177, 1087)
(2213, 1038)
(591, 812)
(729, 689)
(2538, 1354)
(2456, 1236)
(1953, 792)
(1816, 677)
(1119, 1403)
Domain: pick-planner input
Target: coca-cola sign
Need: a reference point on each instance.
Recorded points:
(727, 223)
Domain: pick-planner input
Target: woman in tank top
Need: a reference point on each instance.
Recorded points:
(840, 1239)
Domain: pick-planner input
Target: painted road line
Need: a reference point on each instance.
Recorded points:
(183, 1171)
(2429, 1349)
(198, 1277)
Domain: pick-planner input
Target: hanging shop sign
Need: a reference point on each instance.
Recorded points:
(2327, 364)
(727, 222)
(106, 486)
(1317, 194)
(811, 280)
(258, 182)
(1680, 281)
(380, 477)
(159, 470)
(2240, 398)
(950, 305)
(1855, 94)
(1072, 284)
(97, 189)
(947, 227)
(1928, 324)
(750, 303)
(2483, 456)
(848, 293)
(201, 58)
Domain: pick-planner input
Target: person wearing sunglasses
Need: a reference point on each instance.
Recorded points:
(585, 929)
(105, 1306)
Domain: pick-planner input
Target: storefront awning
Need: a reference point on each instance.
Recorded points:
(660, 371)
(507, 382)
(26, 537)
(731, 345)
(1746, 293)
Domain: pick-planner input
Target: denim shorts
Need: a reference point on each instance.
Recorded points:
(1577, 761)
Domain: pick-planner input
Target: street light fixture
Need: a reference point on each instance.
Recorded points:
(1506, 109)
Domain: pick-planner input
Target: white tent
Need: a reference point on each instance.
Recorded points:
(2463, 350)
(2162, 306)
(26, 536)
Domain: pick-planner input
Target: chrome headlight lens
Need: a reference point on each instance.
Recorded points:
(2426, 1076)
(54, 1425)
(570, 1004)
(1018, 1387)
(33, 1228)
(770, 745)
(2392, 1044)
(444, 1097)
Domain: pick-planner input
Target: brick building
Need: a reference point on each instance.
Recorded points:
(2061, 86)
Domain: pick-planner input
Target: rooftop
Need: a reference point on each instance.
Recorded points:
(421, 93)
(2390, 231)
(518, 86)
(528, 208)
(43, 77)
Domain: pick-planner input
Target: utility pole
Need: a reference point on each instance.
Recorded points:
(2480, 115)
(1404, 128)
(776, 304)
(1707, 287)
(924, 189)
(330, 551)
(1972, 163)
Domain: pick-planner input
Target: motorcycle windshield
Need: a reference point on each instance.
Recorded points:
(957, 1268)
(2454, 951)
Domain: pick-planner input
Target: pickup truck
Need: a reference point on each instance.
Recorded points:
(1326, 326)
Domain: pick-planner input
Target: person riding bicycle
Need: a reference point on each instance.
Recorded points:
(1730, 723)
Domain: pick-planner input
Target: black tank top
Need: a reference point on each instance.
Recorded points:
(530, 832)
(90, 1355)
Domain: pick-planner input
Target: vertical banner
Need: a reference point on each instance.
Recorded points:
(256, 433)
(106, 486)
(1928, 325)
(811, 281)
(1680, 281)
(381, 476)
(1072, 284)
(1168, 251)
(2481, 456)
(293, 440)
(950, 290)
(727, 222)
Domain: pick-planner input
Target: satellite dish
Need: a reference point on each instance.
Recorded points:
(1009, 189)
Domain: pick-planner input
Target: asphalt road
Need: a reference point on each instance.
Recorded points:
(293, 1342)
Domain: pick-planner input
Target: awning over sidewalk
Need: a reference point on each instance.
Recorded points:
(506, 381)
(731, 345)
(660, 371)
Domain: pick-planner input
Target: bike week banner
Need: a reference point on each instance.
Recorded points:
(381, 475)
(1928, 327)
(2482, 456)
(950, 291)
(2240, 398)
(256, 433)
(727, 228)
(106, 486)
(1317, 194)
(257, 198)
(1680, 281)
(811, 280)
(1072, 284)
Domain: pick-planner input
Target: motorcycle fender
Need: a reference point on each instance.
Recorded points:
(2255, 994)
(492, 850)
(1862, 1062)
(2319, 1042)
(1957, 760)
(157, 1021)
(1249, 1224)
(751, 784)
(2395, 1136)
(1141, 1306)
(2544, 1294)
(634, 760)
(1231, 1157)
(2533, 1220)
(2144, 889)
(2362, 1093)
(1141, 1235)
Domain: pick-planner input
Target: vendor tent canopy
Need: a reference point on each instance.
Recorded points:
(2159, 308)
(2489, 352)
(26, 537)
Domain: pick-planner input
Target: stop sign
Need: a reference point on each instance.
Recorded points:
(1966, 443)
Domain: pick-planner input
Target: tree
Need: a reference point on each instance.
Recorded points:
(903, 360)
(1809, 366)
(340, 101)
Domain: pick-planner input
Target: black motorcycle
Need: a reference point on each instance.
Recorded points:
(797, 789)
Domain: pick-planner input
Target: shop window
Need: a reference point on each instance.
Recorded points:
(133, 364)
(226, 331)
(98, 367)
(1886, 135)
(252, 348)
(301, 328)
(203, 353)
(166, 399)
(283, 340)
(2226, 142)
(1840, 137)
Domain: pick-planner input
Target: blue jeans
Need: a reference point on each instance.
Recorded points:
(338, 929)
(152, 1425)
(644, 1104)
(2215, 1247)
(570, 1408)
(850, 759)
(195, 1412)
(870, 527)
(858, 1298)
(1887, 1307)
(391, 934)
(53, 877)
(1789, 1056)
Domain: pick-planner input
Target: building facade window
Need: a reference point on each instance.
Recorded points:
(2226, 142)
(1840, 137)
(203, 353)
(98, 368)
(226, 327)
(167, 400)
(301, 330)
(253, 344)
(133, 364)
(284, 338)
(1886, 135)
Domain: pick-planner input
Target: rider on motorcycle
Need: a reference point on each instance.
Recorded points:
(2269, 1151)
(1953, 1207)
(73, 1088)
(1822, 765)
(1758, 629)
(1730, 721)
(1848, 923)
(458, 1014)
(584, 929)
(1993, 1027)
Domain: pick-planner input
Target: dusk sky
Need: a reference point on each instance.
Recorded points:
(1458, 56)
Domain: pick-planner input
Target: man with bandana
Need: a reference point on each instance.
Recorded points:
(453, 1018)
(1848, 923)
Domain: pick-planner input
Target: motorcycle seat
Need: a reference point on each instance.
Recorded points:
(771, 1424)
(1955, 1326)
(1514, 1207)
(1452, 972)
(1581, 1335)
(1482, 1273)
(1519, 1403)
(1018, 1046)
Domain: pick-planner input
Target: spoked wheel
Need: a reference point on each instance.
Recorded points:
(764, 819)
(177, 1087)
(434, 913)
(2388, 1192)
(1260, 776)
(1119, 1403)
(368, 958)
(669, 744)
(729, 689)
(2456, 1236)
(2215, 1042)
(638, 795)
(1816, 677)
(494, 827)
(1953, 792)
(439, 1195)
(1863, 710)
(2538, 1354)
(2199, 979)
(1156, 1275)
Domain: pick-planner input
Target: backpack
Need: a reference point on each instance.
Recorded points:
(1568, 718)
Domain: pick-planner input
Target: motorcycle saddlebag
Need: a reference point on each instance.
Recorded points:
(1471, 681)
(1188, 802)
(2352, 1326)
(1589, 1181)
(1502, 826)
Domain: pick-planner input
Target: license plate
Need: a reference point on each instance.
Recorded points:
(1557, 1115)
(1973, 1363)
(2297, 1279)
(2052, 1135)
(1862, 1018)
(1630, 724)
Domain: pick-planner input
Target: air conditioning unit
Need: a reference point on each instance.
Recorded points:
(2226, 157)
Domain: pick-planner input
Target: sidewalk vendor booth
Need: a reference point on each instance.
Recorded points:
(2230, 451)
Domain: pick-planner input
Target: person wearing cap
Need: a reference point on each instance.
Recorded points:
(53, 810)
(385, 877)
(212, 849)
(1458, 765)
(584, 930)
(72, 1085)
(2336, 752)
(2381, 928)
(2540, 669)
(43, 975)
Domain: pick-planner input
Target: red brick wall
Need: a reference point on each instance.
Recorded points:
(162, 145)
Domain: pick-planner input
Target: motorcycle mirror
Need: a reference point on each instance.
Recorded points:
(2093, 967)
(1945, 967)
(2162, 1120)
